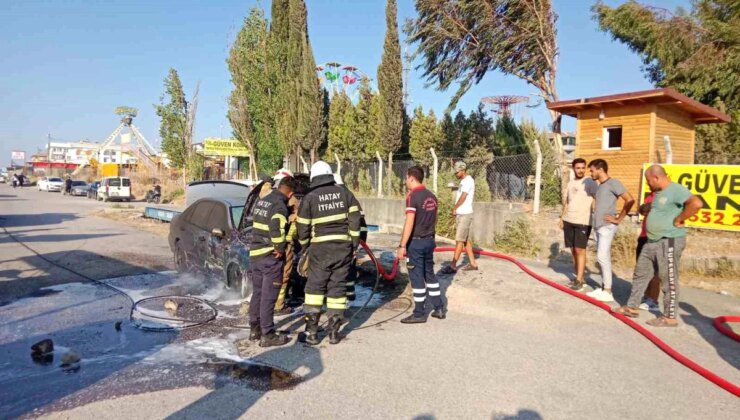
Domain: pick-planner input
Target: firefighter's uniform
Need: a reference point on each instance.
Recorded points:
(267, 258)
(329, 225)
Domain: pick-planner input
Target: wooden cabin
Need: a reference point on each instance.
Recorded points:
(628, 129)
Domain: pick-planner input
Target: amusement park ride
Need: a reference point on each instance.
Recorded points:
(336, 77)
(504, 105)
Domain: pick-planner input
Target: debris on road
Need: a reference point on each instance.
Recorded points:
(171, 306)
(43, 347)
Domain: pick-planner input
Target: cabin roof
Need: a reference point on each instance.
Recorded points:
(700, 113)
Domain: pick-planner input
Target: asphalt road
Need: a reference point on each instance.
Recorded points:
(510, 347)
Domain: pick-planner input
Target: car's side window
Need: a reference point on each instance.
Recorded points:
(201, 214)
(218, 218)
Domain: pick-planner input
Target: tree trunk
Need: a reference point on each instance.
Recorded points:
(559, 154)
(389, 174)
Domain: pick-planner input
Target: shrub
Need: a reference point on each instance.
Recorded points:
(517, 238)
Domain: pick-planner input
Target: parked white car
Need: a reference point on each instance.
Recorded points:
(50, 183)
(115, 188)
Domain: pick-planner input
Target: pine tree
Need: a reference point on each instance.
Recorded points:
(312, 119)
(340, 134)
(249, 101)
(425, 133)
(172, 111)
(508, 138)
(373, 145)
(390, 86)
(363, 110)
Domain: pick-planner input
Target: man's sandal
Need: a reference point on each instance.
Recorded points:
(470, 268)
(627, 311)
(662, 322)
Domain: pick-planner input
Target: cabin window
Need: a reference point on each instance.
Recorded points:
(612, 139)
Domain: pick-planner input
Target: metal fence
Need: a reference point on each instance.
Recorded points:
(497, 178)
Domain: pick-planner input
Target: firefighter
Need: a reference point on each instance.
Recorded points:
(267, 259)
(280, 307)
(353, 274)
(329, 225)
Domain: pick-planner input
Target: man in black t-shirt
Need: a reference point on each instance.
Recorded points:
(417, 244)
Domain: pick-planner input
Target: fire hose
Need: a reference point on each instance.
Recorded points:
(719, 322)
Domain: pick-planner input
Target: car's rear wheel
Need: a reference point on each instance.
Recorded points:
(235, 280)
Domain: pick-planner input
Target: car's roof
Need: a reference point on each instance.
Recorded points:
(231, 202)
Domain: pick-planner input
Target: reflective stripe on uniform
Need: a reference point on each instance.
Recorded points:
(261, 226)
(303, 242)
(354, 233)
(336, 303)
(314, 300)
(278, 240)
(353, 209)
(291, 232)
(303, 220)
(326, 238)
(363, 229)
(327, 219)
(282, 219)
(260, 251)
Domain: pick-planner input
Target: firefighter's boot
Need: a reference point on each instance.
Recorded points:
(335, 322)
(255, 333)
(312, 329)
(273, 339)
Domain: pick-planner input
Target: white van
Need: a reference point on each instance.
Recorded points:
(115, 188)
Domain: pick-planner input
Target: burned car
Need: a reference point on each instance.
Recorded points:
(207, 238)
(212, 236)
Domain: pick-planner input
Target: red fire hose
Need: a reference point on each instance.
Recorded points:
(719, 322)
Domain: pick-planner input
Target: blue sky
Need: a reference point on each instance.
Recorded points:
(68, 64)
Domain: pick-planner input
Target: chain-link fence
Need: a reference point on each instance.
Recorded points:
(497, 178)
(501, 178)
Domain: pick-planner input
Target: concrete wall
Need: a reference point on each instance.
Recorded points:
(490, 218)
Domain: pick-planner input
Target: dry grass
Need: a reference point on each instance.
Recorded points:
(170, 181)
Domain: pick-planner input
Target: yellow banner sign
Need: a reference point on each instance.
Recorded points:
(224, 147)
(718, 187)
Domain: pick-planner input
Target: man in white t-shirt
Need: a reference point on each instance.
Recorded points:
(463, 212)
(576, 219)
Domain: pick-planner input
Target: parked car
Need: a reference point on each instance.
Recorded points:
(114, 188)
(48, 183)
(206, 238)
(79, 188)
(92, 191)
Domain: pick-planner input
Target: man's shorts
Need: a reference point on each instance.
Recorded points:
(464, 223)
(576, 236)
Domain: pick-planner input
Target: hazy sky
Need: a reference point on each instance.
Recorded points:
(68, 64)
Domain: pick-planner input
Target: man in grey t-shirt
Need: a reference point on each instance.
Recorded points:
(606, 223)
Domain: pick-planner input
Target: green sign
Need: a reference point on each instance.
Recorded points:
(224, 147)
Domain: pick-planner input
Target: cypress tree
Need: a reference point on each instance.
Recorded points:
(390, 85)
(172, 111)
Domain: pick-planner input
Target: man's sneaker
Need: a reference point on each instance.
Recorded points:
(601, 295)
(649, 304)
(413, 319)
